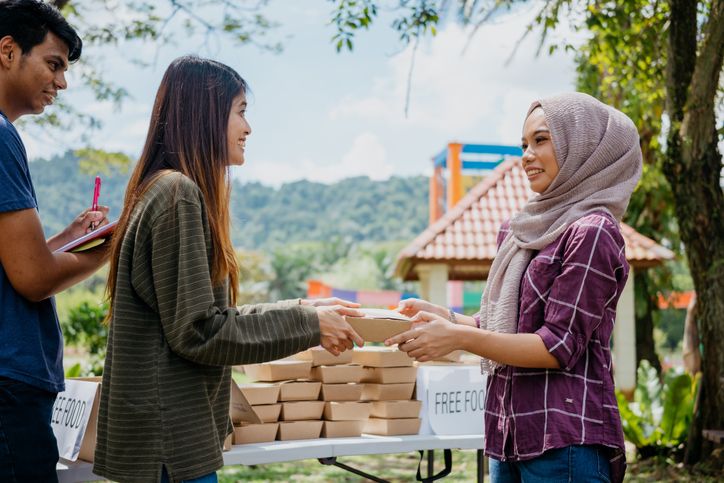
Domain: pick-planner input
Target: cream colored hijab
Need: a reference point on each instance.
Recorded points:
(599, 162)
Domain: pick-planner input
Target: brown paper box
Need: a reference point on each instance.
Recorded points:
(302, 410)
(268, 413)
(255, 433)
(377, 330)
(228, 442)
(389, 375)
(260, 393)
(337, 374)
(341, 392)
(346, 411)
(321, 357)
(373, 356)
(342, 429)
(387, 392)
(395, 409)
(299, 430)
(278, 370)
(239, 408)
(299, 390)
(392, 427)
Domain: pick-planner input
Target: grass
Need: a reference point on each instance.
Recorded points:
(392, 467)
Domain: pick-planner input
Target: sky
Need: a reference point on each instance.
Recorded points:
(321, 115)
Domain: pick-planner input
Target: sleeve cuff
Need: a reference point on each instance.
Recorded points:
(555, 346)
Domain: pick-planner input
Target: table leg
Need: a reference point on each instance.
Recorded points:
(481, 466)
(430, 463)
(333, 461)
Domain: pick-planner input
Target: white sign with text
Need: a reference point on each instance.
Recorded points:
(453, 399)
(70, 416)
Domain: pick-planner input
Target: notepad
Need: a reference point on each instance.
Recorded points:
(89, 240)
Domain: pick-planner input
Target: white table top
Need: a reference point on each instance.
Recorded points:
(280, 451)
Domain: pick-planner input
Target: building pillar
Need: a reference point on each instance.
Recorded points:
(433, 283)
(624, 339)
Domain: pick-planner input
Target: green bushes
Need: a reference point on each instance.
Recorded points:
(657, 420)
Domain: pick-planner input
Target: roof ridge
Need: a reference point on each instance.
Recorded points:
(454, 213)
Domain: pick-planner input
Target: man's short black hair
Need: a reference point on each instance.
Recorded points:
(29, 21)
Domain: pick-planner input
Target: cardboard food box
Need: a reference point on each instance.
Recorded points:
(341, 392)
(395, 409)
(299, 390)
(278, 370)
(228, 442)
(392, 427)
(319, 356)
(268, 413)
(255, 433)
(260, 393)
(387, 392)
(342, 429)
(379, 325)
(302, 410)
(337, 374)
(299, 430)
(239, 408)
(375, 356)
(389, 375)
(346, 411)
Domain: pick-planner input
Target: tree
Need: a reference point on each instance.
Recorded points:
(109, 22)
(690, 161)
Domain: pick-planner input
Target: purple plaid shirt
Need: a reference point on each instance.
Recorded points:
(568, 297)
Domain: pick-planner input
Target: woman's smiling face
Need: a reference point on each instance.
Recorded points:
(539, 157)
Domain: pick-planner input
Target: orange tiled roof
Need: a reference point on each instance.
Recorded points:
(465, 237)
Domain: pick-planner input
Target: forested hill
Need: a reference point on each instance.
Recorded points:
(263, 217)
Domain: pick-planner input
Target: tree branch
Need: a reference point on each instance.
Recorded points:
(704, 84)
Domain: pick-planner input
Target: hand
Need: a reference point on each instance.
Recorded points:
(411, 307)
(336, 334)
(86, 222)
(329, 301)
(430, 337)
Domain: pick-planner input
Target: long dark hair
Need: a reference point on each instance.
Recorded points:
(188, 134)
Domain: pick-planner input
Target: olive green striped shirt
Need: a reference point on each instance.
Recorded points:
(165, 391)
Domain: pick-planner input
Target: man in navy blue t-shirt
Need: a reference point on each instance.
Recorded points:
(36, 46)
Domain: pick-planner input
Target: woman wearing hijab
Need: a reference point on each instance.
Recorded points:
(548, 309)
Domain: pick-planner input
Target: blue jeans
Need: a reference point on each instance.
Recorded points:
(210, 478)
(28, 450)
(563, 465)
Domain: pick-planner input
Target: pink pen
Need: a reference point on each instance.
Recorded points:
(96, 194)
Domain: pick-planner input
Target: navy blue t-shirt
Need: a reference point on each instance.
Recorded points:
(31, 344)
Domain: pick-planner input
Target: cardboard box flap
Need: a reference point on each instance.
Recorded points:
(319, 356)
(378, 330)
(376, 356)
(239, 408)
(299, 390)
(278, 370)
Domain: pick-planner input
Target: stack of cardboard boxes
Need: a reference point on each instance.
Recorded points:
(344, 414)
(389, 382)
(300, 411)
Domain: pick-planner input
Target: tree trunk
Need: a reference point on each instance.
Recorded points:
(690, 347)
(693, 165)
(645, 347)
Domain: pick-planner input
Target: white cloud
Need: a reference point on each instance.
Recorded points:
(365, 157)
(456, 94)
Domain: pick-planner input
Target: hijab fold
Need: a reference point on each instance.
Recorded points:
(599, 165)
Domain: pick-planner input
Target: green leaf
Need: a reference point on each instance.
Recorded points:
(73, 371)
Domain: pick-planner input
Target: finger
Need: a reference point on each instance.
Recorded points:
(418, 353)
(423, 316)
(355, 337)
(348, 344)
(402, 338)
(346, 303)
(348, 311)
